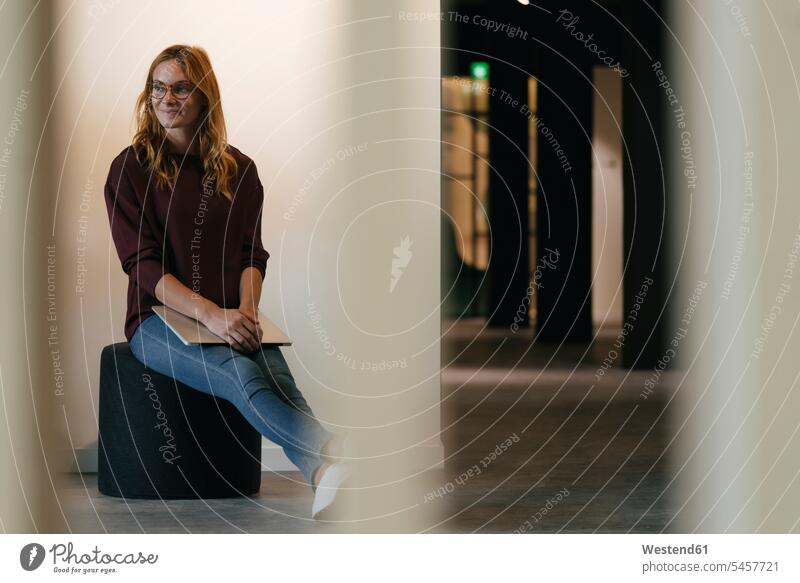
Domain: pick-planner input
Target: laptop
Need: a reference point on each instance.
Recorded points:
(192, 331)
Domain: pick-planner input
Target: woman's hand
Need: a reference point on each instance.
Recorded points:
(252, 314)
(236, 328)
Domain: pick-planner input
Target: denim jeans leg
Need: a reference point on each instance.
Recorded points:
(221, 371)
(276, 372)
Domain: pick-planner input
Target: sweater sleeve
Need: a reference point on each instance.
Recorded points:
(253, 252)
(138, 250)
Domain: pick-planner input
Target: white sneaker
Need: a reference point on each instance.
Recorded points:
(328, 488)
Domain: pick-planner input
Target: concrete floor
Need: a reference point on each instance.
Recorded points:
(584, 455)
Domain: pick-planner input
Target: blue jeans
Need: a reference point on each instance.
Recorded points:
(259, 384)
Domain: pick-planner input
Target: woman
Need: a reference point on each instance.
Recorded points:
(185, 213)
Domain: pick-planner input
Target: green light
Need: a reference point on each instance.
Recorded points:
(479, 70)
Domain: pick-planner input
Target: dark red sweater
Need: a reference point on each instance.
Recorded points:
(195, 234)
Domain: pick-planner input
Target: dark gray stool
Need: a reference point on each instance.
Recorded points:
(162, 439)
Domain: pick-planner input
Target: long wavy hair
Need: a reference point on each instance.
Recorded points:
(149, 141)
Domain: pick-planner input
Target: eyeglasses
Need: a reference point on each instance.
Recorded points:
(180, 90)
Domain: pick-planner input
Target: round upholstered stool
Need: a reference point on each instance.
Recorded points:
(162, 439)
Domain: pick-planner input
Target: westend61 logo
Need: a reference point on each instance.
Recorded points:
(65, 560)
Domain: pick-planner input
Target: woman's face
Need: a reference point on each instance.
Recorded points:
(171, 111)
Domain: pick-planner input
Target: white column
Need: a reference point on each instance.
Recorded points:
(389, 254)
(28, 390)
(737, 453)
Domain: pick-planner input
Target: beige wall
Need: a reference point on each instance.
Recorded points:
(342, 188)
